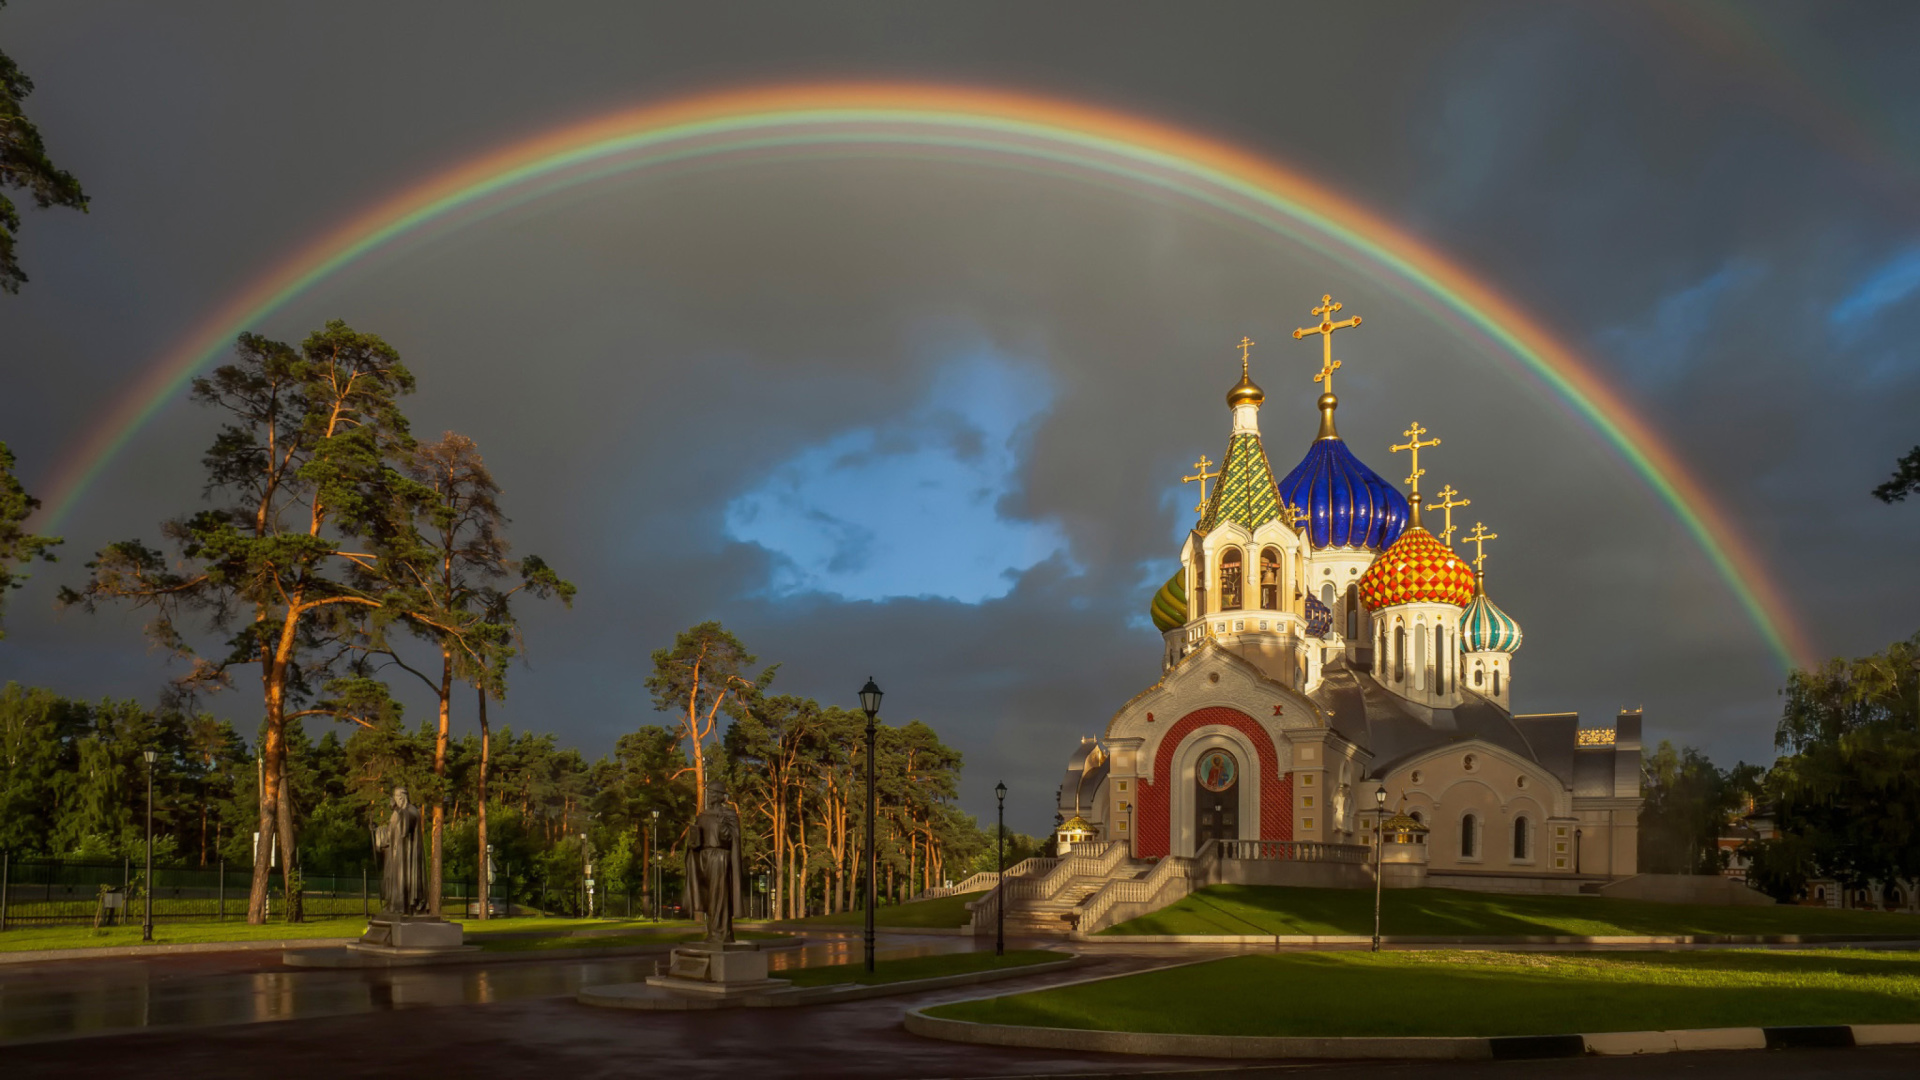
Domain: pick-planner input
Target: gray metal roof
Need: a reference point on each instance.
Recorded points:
(1371, 716)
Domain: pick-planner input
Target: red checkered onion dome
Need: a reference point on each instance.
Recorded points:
(1416, 569)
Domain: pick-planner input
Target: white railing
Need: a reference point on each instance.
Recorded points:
(983, 909)
(1294, 851)
(985, 879)
(1175, 874)
(1086, 860)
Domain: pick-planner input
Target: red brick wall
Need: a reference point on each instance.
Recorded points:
(1155, 798)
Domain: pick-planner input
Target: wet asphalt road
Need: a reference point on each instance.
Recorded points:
(244, 1015)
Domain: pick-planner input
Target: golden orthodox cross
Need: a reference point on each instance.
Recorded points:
(1203, 477)
(1291, 514)
(1447, 504)
(1245, 344)
(1414, 444)
(1327, 309)
(1478, 538)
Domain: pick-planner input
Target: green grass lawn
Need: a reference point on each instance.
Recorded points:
(916, 967)
(1478, 993)
(26, 938)
(920, 914)
(1257, 909)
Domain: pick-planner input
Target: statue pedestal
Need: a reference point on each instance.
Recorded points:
(713, 969)
(391, 934)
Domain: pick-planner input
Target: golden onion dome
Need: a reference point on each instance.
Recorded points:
(1245, 392)
(1077, 824)
(1403, 822)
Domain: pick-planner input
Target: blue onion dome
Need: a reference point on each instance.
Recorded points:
(1169, 606)
(1484, 627)
(1343, 503)
(1319, 618)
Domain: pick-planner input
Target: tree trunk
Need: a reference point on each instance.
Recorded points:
(273, 753)
(285, 822)
(440, 775)
(777, 881)
(486, 865)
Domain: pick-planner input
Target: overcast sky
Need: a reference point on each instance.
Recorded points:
(926, 419)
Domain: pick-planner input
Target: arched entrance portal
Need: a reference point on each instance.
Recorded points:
(1216, 798)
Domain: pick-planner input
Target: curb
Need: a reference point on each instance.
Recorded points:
(110, 951)
(1098, 938)
(635, 995)
(341, 958)
(952, 931)
(1505, 1048)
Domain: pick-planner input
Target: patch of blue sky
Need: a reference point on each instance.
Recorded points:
(1660, 348)
(912, 507)
(1893, 282)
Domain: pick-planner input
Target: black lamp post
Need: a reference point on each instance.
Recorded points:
(1000, 882)
(146, 923)
(653, 855)
(1379, 847)
(870, 704)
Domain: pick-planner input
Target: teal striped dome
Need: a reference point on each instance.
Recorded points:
(1485, 628)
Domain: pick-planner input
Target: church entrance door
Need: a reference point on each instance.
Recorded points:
(1216, 798)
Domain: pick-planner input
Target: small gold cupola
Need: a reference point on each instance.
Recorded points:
(1245, 392)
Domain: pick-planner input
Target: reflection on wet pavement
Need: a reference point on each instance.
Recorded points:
(80, 998)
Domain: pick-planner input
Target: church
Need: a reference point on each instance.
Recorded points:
(1322, 642)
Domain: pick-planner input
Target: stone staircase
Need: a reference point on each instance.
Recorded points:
(1062, 912)
(1048, 896)
(1098, 886)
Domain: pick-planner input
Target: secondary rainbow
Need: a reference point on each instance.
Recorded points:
(981, 126)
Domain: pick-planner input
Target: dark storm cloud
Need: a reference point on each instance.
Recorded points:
(638, 357)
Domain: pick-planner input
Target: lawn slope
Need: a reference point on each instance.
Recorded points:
(1477, 994)
(1257, 909)
(946, 911)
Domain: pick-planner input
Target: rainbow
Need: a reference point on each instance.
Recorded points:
(1014, 130)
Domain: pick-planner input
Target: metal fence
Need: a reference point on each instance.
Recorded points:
(50, 892)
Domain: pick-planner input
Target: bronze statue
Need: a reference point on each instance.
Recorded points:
(713, 864)
(403, 887)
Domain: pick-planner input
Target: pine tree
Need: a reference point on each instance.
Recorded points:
(303, 465)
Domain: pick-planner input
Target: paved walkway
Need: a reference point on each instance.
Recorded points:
(201, 1015)
(83, 998)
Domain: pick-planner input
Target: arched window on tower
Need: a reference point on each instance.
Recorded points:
(1270, 579)
(1230, 579)
(1200, 587)
(1469, 827)
(1440, 659)
(1496, 682)
(1479, 675)
(1326, 597)
(1520, 838)
(1421, 678)
(1353, 613)
(1380, 650)
(1399, 652)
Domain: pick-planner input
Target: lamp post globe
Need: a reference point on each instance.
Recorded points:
(1000, 866)
(146, 921)
(870, 704)
(1379, 847)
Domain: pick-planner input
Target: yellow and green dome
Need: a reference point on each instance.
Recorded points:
(1169, 607)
